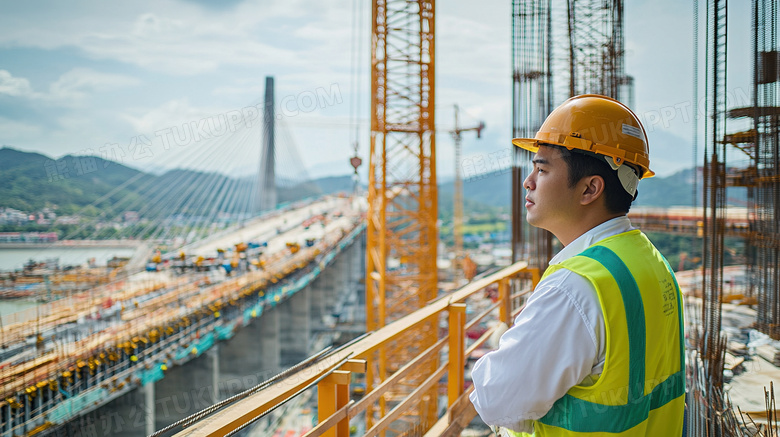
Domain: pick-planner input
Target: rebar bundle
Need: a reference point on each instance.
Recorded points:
(532, 91)
(765, 214)
(712, 415)
(595, 35)
(714, 201)
(587, 57)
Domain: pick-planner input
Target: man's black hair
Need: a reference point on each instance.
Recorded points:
(580, 165)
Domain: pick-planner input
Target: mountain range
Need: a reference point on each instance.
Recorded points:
(494, 189)
(89, 185)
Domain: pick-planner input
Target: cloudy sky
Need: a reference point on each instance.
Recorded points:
(148, 82)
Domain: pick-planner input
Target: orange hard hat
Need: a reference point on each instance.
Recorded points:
(596, 124)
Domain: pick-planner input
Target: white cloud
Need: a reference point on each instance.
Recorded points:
(14, 132)
(176, 38)
(255, 89)
(69, 89)
(305, 45)
(473, 51)
(14, 86)
(219, 56)
(79, 83)
(171, 113)
(176, 48)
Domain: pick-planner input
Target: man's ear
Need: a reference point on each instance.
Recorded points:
(592, 189)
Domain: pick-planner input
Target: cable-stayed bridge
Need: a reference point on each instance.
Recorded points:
(238, 275)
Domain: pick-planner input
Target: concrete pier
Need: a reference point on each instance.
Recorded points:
(126, 416)
(185, 390)
(268, 335)
(250, 357)
(279, 337)
(295, 328)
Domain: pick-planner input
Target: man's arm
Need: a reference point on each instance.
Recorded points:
(552, 347)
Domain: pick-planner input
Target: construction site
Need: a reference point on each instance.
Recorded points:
(336, 316)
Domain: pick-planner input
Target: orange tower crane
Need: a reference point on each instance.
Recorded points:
(402, 191)
(457, 207)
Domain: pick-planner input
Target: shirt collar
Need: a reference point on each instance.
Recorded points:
(615, 226)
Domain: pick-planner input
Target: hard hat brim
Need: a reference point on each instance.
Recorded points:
(530, 144)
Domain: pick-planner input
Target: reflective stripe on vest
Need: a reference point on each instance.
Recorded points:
(617, 403)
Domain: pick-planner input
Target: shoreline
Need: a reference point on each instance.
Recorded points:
(64, 244)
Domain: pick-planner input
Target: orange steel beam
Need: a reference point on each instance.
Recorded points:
(332, 395)
(400, 410)
(457, 418)
(505, 314)
(457, 345)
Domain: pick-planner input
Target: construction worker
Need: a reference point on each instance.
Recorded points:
(598, 348)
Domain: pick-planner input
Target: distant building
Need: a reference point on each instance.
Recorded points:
(13, 216)
(131, 216)
(28, 237)
(10, 237)
(49, 213)
(39, 237)
(68, 220)
(41, 219)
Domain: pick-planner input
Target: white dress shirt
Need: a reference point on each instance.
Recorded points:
(557, 341)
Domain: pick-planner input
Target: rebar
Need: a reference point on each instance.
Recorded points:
(766, 208)
(592, 61)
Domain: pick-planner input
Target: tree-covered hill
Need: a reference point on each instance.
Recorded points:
(31, 182)
(494, 189)
(91, 186)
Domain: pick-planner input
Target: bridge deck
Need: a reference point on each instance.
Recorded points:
(97, 345)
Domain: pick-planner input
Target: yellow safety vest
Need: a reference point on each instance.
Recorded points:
(642, 389)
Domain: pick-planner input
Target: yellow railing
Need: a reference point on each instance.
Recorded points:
(332, 373)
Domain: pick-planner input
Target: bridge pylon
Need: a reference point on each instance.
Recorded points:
(266, 190)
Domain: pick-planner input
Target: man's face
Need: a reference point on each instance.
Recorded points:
(550, 203)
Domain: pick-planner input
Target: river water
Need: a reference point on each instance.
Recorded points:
(14, 259)
(15, 305)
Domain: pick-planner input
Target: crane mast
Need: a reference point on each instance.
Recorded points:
(402, 193)
(457, 207)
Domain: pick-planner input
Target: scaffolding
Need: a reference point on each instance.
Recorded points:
(710, 412)
(766, 206)
(591, 60)
(595, 35)
(402, 195)
(532, 101)
(714, 201)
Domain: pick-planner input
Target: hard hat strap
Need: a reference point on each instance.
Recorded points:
(627, 176)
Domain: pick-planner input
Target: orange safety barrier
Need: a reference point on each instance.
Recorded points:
(332, 374)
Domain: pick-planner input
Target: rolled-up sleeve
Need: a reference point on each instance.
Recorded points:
(552, 347)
